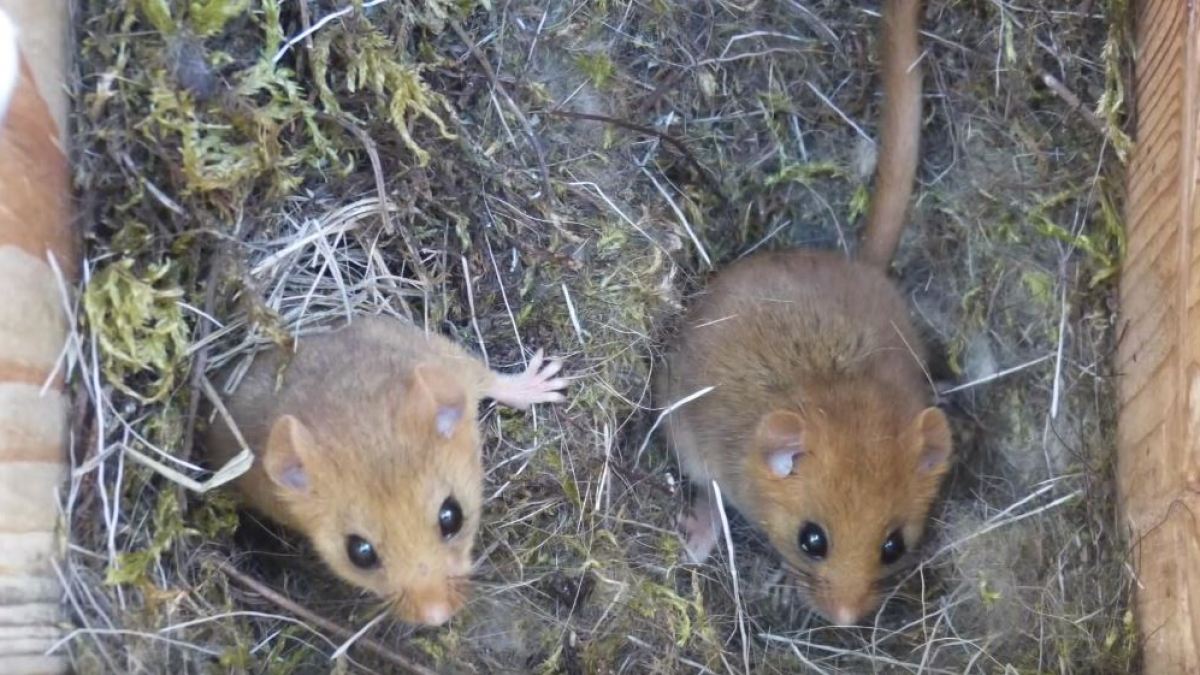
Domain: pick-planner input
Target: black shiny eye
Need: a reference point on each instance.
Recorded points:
(813, 540)
(450, 517)
(893, 548)
(361, 552)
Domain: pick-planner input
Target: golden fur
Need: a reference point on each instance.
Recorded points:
(828, 342)
(351, 408)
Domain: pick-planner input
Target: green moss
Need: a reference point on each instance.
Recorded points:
(372, 64)
(208, 17)
(137, 321)
(133, 567)
(1040, 286)
(1102, 248)
(158, 14)
(598, 68)
(805, 174)
(1111, 106)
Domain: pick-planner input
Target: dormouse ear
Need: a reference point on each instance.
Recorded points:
(434, 401)
(288, 444)
(933, 441)
(780, 436)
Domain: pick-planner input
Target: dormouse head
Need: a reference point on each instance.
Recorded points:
(844, 498)
(390, 496)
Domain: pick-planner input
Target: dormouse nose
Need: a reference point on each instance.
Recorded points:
(845, 615)
(847, 609)
(435, 613)
(431, 604)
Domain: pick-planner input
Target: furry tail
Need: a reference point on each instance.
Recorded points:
(10, 64)
(900, 130)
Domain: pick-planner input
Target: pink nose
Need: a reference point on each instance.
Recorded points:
(435, 613)
(844, 615)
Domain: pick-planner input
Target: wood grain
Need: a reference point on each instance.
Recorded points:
(1158, 354)
(35, 228)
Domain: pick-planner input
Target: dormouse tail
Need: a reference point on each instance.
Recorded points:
(900, 130)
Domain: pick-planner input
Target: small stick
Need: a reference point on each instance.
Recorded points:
(491, 75)
(1001, 374)
(201, 362)
(324, 624)
(838, 111)
(737, 595)
(215, 399)
(471, 304)
(308, 32)
(574, 316)
(649, 131)
(512, 319)
(667, 411)
(340, 651)
(306, 24)
(368, 144)
(385, 217)
(1060, 90)
(682, 218)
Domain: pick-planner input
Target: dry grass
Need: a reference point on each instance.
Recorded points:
(524, 174)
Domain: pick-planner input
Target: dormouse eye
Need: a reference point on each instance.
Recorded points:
(361, 552)
(893, 548)
(450, 517)
(813, 541)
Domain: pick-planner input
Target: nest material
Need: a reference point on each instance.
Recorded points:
(561, 175)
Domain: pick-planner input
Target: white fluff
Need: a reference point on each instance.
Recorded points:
(10, 70)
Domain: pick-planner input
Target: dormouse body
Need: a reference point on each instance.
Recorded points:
(819, 427)
(365, 441)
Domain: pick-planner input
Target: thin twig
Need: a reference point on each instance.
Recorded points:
(1060, 90)
(681, 217)
(337, 654)
(201, 362)
(306, 33)
(737, 594)
(573, 314)
(368, 144)
(667, 411)
(385, 206)
(215, 399)
(674, 142)
(471, 305)
(324, 624)
(306, 24)
(845, 118)
(512, 105)
(512, 319)
(996, 376)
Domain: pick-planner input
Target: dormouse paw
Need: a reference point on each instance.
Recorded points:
(700, 535)
(537, 384)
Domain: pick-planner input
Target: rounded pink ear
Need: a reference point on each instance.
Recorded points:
(780, 436)
(934, 442)
(287, 445)
(435, 402)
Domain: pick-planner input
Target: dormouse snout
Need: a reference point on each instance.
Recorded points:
(431, 590)
(845, 615)
(436, 613)
(848, 610)
(431, 605)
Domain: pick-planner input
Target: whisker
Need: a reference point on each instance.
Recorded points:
(806, 581)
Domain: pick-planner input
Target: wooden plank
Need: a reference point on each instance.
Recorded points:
(1159, 352)
(35, 227)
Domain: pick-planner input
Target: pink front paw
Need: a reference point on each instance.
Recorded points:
(700, 535)
(537, 384)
